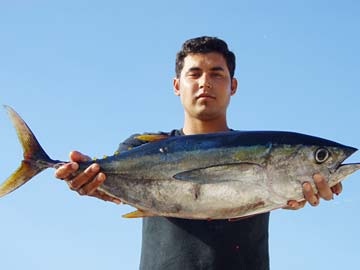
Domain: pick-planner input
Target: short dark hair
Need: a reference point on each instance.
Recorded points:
(205, 44)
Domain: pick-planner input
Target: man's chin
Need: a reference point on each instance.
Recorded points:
(207, 115)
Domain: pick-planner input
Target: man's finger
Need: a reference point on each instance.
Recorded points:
(310, 195)
(323, 187)
(84, 177)
(337, 189)
(66, 170)
(105, 197)
(295, 205)
(91, 187)
(78, 157)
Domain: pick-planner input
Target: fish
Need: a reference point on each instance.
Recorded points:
(225, 175)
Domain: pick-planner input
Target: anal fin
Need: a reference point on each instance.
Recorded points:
(240, 218)
(138, 214)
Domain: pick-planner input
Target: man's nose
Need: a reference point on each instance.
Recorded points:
(204, 81)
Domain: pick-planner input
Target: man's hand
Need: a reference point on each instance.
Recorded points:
(87, 182)
(324, 191)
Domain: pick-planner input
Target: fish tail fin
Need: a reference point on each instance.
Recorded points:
(23, 174)
(35, 159)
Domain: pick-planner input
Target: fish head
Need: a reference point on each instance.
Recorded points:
(329, 160)
(341, 170)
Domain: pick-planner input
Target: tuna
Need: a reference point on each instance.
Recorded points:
(207, 176)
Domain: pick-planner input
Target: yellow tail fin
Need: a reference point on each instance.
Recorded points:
(23, 174)
(35, 158)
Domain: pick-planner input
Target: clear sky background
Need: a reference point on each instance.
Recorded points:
(87, 74)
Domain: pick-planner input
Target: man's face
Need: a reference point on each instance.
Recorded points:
(205, 86)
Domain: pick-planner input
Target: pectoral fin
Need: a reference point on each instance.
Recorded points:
(221, 173)
(138, 214)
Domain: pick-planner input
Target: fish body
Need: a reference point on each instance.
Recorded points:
(207, 176)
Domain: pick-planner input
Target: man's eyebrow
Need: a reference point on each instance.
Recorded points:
(193, 69)
(217, 68)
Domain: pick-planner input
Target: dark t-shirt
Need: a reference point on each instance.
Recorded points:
(185, 244)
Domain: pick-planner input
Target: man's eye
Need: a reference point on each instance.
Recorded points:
(217, 75)
(194, 74)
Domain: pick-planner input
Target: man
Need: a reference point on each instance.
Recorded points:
(205, 84)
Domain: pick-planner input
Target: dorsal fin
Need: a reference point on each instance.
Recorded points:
(152, 137)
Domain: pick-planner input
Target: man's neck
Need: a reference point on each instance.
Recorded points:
(196, 126)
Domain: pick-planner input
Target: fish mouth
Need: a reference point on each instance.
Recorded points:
(345, 169)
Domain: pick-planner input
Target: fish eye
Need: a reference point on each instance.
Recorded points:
(321, 155)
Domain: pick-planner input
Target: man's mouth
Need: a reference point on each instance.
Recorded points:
(205, 96)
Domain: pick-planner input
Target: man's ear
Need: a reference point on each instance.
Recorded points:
(234, 85)
(176, 86)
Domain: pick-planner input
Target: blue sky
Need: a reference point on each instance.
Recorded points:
(85, 75)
